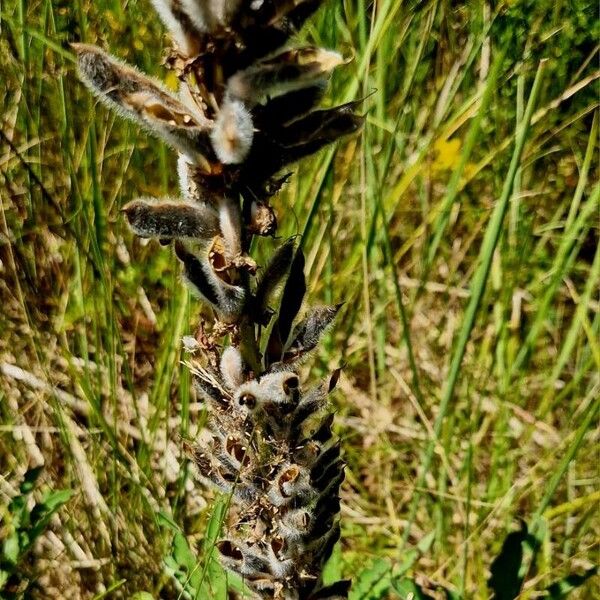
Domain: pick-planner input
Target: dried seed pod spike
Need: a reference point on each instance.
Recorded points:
(246, 109)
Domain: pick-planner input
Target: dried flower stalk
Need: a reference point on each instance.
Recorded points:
(244, 110)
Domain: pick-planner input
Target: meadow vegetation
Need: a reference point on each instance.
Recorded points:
(460, 229)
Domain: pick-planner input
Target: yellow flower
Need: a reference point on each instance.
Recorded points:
(447, 154)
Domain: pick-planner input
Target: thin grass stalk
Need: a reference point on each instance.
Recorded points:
(559, 267)
(454, 183)
(478, 285)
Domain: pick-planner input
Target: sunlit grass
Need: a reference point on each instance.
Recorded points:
(460, 229)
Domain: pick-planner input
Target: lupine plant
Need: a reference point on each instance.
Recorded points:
(245, 110)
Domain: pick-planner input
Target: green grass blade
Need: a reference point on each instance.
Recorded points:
(477, 289)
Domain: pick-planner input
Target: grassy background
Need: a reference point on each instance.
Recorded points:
(460, 229)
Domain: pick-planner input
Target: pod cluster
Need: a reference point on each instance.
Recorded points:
(270, 445)
(246, 108)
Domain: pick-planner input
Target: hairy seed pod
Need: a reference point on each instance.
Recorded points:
(137, 97)
(209, 393)
(179, 24)
(200, 14)
(319, 127)
(171, 219)
(295, 524)
(231, 226)
(279, 565)
(232, 133)
(227, 299)
(281, 388)
(292, 484)
(232, 367)
(308, 332)
(273, 275)
(210, 15)
(291, 70)
(242, 559)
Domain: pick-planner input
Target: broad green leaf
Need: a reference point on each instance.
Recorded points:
(182, 554)
(180, 576)
(54, 500)
(332, 571)
(235, 582)
(215, 523)
(19, 515)
(42, 512)
(215, 579)
(373, 582)
(197, 579)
